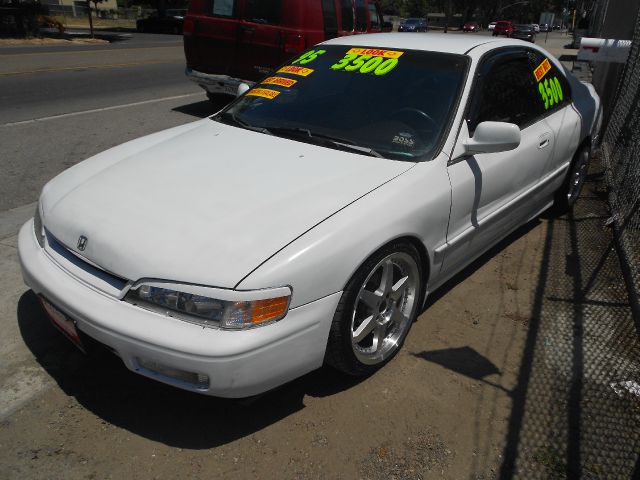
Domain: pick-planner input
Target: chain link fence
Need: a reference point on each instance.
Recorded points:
(621, 155)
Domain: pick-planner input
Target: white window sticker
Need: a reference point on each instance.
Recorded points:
(223, 8)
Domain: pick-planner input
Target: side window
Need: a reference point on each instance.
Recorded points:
(347, 15)
(553, 88)
(508, 93)
(373, 17)
(224, 8)
(361, 16)
(330, 19)
(263, 11)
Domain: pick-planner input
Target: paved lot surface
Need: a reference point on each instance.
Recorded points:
(509, 370)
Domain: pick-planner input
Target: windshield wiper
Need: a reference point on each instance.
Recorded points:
(241, 123)
(326, 139)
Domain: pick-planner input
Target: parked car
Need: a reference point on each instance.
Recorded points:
(242, 40)
(307, 221)
(170, 22)
(544, 27)
(536, 27)
(524, 32)
(413, 25)
(503, 27)
(491, 26)
(471, 27)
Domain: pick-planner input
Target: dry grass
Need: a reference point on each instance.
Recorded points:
(49, 41)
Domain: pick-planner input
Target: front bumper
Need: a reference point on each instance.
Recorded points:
(216, 83)
(237, 363)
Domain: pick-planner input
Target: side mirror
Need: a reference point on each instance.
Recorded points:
(243, 87)
(492, 137)
(387, 26)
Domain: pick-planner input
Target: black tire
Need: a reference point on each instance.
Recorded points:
(340, 351)
(567, 195)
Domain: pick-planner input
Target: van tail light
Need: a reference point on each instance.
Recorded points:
(294, 43)
(188, 26)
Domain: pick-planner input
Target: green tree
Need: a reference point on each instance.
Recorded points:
(415, 8)
(392, 7)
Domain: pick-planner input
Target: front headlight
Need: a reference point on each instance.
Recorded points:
(211, 307)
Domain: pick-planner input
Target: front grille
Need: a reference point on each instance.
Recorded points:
(69, 259)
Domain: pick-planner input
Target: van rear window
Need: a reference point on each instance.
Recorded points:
(361, 16)
(330, 19)
(347, 16)
(263, 11)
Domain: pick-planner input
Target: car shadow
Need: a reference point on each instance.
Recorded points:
(203, 108)
(104, 386)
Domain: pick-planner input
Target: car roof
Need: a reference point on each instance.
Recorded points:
(432, 42)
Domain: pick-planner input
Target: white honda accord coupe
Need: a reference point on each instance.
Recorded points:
(307, 222)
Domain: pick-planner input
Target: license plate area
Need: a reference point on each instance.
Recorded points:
(63, 323)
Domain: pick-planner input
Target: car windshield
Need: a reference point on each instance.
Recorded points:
(394, 104)
(524, 27)
(412, 20)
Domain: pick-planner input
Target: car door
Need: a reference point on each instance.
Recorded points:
(211, 36)
(495, 192)
(262, 39)
(563, 119)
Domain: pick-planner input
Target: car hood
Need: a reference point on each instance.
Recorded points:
(206, 205)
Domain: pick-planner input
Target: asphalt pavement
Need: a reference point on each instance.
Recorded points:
(62, 104)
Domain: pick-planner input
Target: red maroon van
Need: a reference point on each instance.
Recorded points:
(227, 42)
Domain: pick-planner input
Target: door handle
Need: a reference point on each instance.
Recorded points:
(544, 140)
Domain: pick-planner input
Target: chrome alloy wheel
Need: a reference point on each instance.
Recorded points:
(384, 308)
(578, 176)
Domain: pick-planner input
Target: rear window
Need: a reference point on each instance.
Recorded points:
(391, 103)
(503, 24)
(263, 11)
(373, 17)
(361, 16)
(347, 16)
(330, 19)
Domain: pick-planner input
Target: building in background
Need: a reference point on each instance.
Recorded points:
(610, 19)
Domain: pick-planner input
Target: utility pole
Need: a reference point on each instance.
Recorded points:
(447, 14)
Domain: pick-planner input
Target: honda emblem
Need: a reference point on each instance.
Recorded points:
(82, 243)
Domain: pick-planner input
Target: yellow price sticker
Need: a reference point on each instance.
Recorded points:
(281, 81)
(375, 52)
(263, 92)
(542, 69)
(302, 71)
